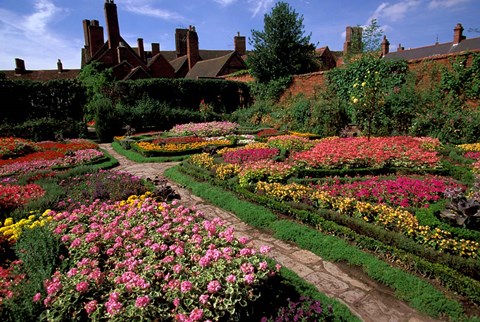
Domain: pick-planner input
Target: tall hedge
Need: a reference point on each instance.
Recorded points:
(224, 96)
(27, 100)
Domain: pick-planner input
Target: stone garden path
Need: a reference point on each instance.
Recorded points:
(367, 299)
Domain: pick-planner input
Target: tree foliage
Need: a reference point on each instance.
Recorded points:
(372, 37)
(282, 49)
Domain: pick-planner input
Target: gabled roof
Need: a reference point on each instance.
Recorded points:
(178, 63)
(137, 73)
(436, 50)
(210, 67)
(41, 75)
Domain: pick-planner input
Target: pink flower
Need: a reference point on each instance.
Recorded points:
(185, 286)
(37, 297)
(77, 242)
(243, 240)
(204, 298)
(142, 301)
(82, 287)
(113, 307)
(213, 286)
(263, 266)
(90, 307)
(249, 278)
(196, 314)
(176, 302)
(265, 249)
(231, 278)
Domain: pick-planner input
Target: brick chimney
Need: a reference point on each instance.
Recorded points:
(19, 66)
(181, 42)
(95, 33)
(141, 49)
(400, 48)
(385, 46)
(59, 66)
(193, 54)
(240, 44)
(155, 48)
(458, 34)
(113, 29)
(353, 39)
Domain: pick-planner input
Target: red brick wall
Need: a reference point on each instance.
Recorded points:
(308, 84)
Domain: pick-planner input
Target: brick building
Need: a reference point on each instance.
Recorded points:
(135, 62)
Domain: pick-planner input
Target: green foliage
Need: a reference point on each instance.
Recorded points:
(96, 79)
(40, 110)
(185, 94)
(372, 37)
(272, 90)
(39, 251)
(107, 122)
(253, 115)
(460, 80)
(281, 49)
(45, 128)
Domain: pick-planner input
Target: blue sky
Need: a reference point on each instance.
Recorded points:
(42, 31)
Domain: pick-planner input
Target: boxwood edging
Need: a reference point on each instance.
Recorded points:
(137, 157)
(325, 220)
(467, 266)
(419, 293)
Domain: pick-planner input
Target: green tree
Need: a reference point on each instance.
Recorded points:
(282, 49)
(372, 37)
(96, 80)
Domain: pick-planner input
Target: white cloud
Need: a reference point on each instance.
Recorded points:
(147, 8)
(443, 4)
(260, 6)
(225, 2)
(30, 37)
(394, 12)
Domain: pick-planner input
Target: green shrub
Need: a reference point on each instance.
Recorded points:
(39, 250)
(107, 123)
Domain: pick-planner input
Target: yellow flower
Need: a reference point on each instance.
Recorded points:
(364, 83)
(355, 100)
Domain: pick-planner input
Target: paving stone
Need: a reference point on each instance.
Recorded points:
(336, 271)
(306, 256)
(327, 283)
(353, 296)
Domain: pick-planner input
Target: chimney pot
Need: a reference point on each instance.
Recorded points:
(240, 44)
(193, 53)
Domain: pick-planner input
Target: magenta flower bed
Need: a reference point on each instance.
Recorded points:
(361, 152)
(247, 155)
(144, 260)
(402, 191)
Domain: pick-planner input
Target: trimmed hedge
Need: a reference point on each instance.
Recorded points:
(224, 96)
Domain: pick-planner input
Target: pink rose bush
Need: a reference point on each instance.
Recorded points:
(140, 259)
(376, 153)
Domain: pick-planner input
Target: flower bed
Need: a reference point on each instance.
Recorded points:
(373, 153)
(204, 129)
(240, 156)
(149, 149)
(401, 191)
(50, 154)
(14, 196)
(15, 147)
(140, 259)
(290, 142)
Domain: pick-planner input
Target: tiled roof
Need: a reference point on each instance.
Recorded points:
(178, 62)
(210, 67)
(436, 50)
(42, 75)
